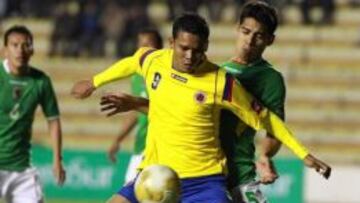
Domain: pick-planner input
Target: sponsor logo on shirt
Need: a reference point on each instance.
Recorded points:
(179, 78)
(200, 97)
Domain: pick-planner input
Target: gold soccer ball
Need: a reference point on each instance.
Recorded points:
(157, 184)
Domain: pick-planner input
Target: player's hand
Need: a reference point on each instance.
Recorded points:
(113, 151)
(59, 173)
(82, 89)
(266, 170)
(117, 103)
(320, 167)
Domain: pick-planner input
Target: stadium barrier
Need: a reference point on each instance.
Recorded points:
(90, 176)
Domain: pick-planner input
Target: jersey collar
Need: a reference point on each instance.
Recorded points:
(6, 66)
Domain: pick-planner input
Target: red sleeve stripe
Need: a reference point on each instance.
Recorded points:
(143, 57)
(228, 87)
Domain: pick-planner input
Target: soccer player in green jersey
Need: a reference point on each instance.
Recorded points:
(147, 37)
(255, 31)
(22, 89)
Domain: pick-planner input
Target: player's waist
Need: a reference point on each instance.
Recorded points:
(187, 170)
(187, 164)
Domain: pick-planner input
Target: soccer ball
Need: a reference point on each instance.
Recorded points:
(157, 184)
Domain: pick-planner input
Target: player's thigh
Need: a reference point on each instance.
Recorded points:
(118, 199)
(209, 189)
(125, 194)
(248, 193)
(25, 188)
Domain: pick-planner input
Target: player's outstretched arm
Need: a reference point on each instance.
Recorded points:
(128, 124)
(258, 117)
(82, 89)
(320, 167)
(58, 169)
(121, 102)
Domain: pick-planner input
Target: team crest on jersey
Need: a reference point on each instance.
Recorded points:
(156, 80)
(200, 97)
(256, 106)
(16, 93)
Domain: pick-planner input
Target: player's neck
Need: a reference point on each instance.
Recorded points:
(245, 60)
(19, 71)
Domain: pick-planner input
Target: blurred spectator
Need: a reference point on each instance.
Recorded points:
(3, 5)
(92, 38)
(327, 7)
(64, 39)
(215, 9)
(177, 7)
(278, 4)
(113, 20)
(14, 8)
(137, 18)
(38, 8)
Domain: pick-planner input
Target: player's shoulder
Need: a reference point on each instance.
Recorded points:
(38, 74)
(147, 54)
(270, 72)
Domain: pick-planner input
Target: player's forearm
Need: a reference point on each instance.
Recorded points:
(141, 105)
(119, 70)
(56, 134)
(270, 146)
(275, 126)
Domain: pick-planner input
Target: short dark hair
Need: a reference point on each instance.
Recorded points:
(17, 29)
(262, 12)
(192, 23)
(155, 33)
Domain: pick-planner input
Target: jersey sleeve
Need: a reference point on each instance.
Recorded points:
(122, 68)
(235, 98)
(48, 101)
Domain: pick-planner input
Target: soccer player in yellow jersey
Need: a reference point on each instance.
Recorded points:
(186, 93)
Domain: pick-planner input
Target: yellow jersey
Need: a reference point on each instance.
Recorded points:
(184, 112)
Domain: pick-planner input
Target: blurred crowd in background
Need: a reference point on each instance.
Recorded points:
(83, 26)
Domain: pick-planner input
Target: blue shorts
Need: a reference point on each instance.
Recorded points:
(209, 189)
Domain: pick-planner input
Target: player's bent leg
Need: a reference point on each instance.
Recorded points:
(209, 189)
(118, 199)
(24, 187)
(132, 171)
(125, 195)
(248, 193)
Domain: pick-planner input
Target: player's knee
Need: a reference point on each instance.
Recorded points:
(118, 199)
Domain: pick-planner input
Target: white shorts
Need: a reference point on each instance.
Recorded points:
(132, 167)
(248, 193)
(21, 187)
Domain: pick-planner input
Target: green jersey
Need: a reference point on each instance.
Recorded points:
(138, 89)
(267, 86)
(19, 96)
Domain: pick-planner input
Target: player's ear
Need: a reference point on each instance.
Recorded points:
(171, 42)
(205, 45)
(271, 39)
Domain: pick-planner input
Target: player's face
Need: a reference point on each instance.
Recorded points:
(189, 51)
(146, 40)
(18, 50)
(252, 39)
